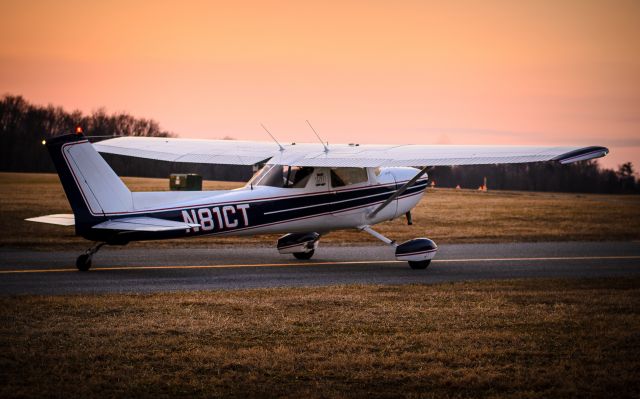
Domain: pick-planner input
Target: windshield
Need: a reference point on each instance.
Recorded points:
(283, 176)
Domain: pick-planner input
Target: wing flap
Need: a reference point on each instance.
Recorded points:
(144, 223)
(60, 219)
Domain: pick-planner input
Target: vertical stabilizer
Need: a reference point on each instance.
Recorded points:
(93, 189)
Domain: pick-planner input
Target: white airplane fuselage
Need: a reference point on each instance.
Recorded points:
(259, 209)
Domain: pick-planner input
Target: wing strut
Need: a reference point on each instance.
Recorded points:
(399, 192)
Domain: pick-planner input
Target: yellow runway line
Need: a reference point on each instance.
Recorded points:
(362, 262)
(198, 266)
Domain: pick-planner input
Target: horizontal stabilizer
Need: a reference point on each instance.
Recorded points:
(62, 219)
(144, 223)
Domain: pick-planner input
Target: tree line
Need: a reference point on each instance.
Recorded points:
(582, 177)
(23, 126)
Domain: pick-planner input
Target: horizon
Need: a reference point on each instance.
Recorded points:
(468, 72)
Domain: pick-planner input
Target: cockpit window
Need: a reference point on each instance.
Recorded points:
(283, 176)
(341, 177)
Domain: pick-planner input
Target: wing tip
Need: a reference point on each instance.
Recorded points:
(582, 154)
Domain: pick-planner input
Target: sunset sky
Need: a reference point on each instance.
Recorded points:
(551, 72)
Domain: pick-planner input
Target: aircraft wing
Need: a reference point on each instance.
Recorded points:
(338, 155)
(143, 223)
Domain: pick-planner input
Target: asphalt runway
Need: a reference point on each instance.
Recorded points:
(141, 270)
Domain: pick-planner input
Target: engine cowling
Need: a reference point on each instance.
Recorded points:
(298, 243)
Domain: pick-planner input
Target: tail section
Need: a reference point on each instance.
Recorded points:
(93, 189)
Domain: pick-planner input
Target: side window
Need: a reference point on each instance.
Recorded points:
(298, 176)
(341, 177)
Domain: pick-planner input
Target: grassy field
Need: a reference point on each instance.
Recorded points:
(445, 215)
(526, 339)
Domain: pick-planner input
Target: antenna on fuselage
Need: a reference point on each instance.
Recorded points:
(326, 148)
(274, 139)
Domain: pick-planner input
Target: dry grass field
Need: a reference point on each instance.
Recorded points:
(523, 339)
(445, 215)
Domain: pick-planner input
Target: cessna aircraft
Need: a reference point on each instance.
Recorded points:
(303, 190)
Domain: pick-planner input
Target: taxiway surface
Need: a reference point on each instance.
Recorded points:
(153, 270)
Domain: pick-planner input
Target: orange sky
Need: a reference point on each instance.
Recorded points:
(460, 72)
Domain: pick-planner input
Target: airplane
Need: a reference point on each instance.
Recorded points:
(303, 190)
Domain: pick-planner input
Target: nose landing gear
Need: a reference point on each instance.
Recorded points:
(83, 263)
(417, 252)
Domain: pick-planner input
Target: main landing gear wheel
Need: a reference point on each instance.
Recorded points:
(301, 245)
(419, 265)
(304, 255)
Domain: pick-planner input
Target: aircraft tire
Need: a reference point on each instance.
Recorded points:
(419, 265)
(304, 255)
(83, 263)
